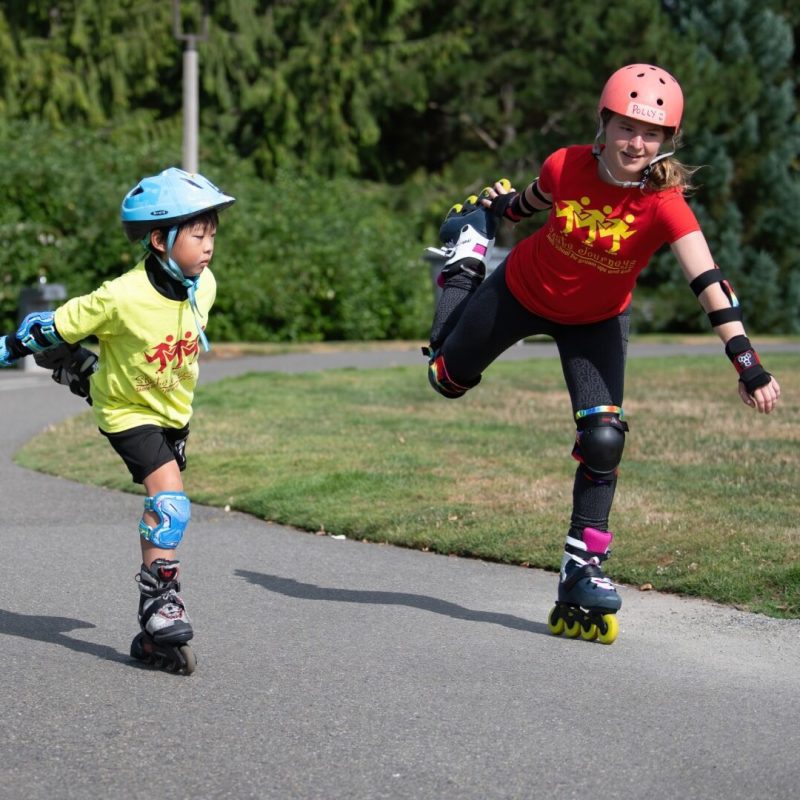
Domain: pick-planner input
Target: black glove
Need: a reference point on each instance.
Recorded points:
(506, 206)
(72, 366)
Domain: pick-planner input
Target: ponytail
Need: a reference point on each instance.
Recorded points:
(670, 173)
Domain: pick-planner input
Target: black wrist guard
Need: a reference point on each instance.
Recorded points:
(15, 347)
(514, 207)
(506, 206)
(745, 359)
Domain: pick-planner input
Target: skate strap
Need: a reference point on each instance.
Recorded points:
(588, 412)
(587, 570)
(576, 549)
(166, 604)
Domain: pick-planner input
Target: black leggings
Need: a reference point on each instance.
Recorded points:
(592, 360)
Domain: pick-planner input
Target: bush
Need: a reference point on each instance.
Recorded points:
(298, 259)
(306, 259)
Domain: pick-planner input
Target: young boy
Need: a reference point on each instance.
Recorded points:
(150, 324)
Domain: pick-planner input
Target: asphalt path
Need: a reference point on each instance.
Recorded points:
(332, 668)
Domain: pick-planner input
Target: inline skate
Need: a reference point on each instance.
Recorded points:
(467, 239)
(587, 600)
(166, 628)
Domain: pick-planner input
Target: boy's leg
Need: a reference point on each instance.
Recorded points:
(155, 457)
(165, 479)
(166, 514)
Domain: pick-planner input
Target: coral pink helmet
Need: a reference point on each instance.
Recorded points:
(646, 93)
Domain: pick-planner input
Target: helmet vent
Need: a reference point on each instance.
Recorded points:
(192, 183)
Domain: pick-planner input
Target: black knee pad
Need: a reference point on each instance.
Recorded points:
(600, 441)
(441, 381)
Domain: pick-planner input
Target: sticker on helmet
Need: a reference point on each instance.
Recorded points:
(647, 113)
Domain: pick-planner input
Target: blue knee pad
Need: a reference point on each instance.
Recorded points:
(174, 512)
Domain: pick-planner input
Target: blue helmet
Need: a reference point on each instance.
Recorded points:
(165, 201)
(168, 199)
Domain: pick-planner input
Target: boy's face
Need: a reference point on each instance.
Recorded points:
(193, 248)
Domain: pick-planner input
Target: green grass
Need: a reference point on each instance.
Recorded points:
(707, 502)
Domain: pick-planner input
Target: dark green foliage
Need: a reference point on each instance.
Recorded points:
(742, 128)
(304, 259)
(433, 98)
(59, 218)
(297, 258)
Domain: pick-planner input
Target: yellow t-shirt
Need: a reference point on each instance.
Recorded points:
(149, 346)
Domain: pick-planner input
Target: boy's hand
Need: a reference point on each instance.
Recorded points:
(7, 358)
(72, 366)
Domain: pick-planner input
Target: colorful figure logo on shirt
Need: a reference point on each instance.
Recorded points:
(169, 354)
(610, 231)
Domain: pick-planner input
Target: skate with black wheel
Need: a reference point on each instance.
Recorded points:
(163, 642)
(178, 658)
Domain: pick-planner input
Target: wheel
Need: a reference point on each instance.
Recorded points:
(572, 628)
(608, 629)
(138, 650)
(589, 630)
(189, 658)
(555, 622)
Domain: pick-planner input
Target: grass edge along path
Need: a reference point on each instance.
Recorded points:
(707, 503)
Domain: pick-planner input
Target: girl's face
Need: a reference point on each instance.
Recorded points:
(193, 248)
(630, 146)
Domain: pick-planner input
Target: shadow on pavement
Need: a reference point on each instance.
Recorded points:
(51, 630)
(309, 591)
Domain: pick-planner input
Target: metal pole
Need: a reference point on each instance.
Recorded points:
(190, 105)
(191, 90)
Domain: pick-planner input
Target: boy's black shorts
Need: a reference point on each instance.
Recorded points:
(147, 447)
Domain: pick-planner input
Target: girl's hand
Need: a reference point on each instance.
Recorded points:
(764, 399)
(490, 193)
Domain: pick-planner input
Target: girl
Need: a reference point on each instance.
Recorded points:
(610, 207)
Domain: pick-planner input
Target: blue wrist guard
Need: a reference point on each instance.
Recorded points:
(38, 332)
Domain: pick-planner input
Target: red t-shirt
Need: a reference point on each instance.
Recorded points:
(582, 265)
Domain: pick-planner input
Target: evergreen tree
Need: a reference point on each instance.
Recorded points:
(742, 127)
(87, 60)
(438, 98)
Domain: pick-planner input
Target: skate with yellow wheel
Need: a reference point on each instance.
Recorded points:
(587, 600)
